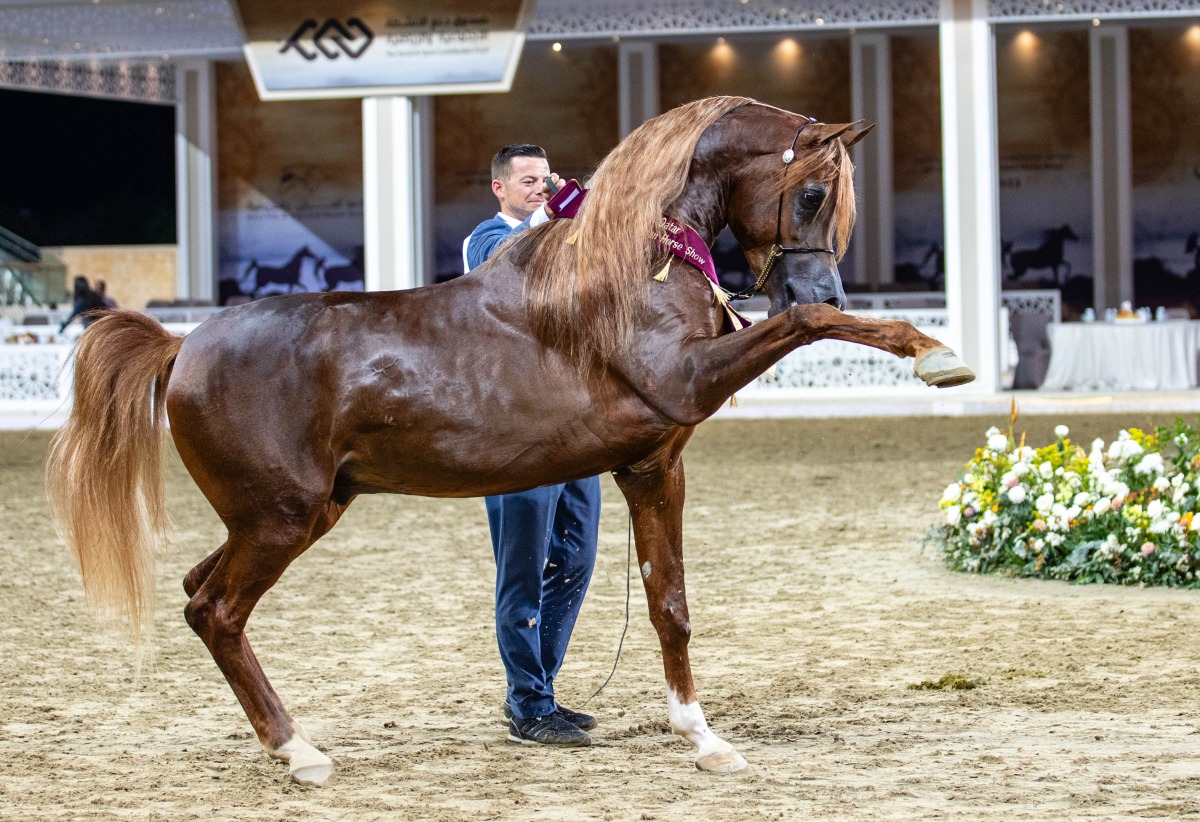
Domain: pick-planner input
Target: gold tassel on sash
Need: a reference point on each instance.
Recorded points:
(574, 236)
(662, 275)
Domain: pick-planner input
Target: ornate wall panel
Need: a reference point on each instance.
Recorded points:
(589, 18)
(32, 373)
(1005, 10)
(116, 28)
(141, 82)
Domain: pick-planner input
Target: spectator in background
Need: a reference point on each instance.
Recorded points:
(102, 290)
(85, 300)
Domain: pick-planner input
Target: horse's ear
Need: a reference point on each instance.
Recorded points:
(829, 132)
(849, 138)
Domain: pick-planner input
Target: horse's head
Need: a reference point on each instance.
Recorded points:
(791, 206)
(1066, 233)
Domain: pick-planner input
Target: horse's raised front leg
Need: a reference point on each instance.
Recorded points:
(934, 362)
(655, 495)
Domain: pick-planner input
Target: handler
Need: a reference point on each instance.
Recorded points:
(544, 539)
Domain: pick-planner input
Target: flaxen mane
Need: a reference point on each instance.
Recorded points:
(588, 278)
(582, 297)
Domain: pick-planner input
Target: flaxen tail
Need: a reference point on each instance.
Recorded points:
(105, 474)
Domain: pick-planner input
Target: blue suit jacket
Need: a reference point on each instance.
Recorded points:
(486, 238)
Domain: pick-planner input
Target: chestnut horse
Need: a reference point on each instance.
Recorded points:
(561, 358)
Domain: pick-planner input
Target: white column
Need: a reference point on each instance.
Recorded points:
(195, 179)
(1112, 223)
(970, 173)
(637, 83)
(393, 230)
(871, 98)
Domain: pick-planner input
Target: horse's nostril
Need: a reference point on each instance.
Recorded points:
(835, 301)
(790, 293)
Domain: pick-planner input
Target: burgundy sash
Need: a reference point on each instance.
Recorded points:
(679, 239)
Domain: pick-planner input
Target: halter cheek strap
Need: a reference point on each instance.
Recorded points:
(779, 249)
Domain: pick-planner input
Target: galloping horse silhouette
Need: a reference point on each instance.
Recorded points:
(562, 357)
(287, 274)
(350, 273)
(1047, 255)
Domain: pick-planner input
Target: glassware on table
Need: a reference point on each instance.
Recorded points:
(1089, 315)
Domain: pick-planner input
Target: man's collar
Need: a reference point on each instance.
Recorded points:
(513, 222)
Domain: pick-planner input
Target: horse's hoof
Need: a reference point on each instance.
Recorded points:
(306, 764)
(313, 773)
(724, 762)
(942, 368)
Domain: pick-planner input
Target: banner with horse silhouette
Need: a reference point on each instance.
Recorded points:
(290, 212)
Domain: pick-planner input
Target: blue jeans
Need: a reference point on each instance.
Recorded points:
(545, 546)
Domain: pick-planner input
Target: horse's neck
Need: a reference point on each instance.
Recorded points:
(700, 206)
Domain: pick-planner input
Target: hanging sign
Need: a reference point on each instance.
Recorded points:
(303, 49)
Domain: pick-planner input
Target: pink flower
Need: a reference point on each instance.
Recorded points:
(1148, 548)
(968, 512)
(1039, 525)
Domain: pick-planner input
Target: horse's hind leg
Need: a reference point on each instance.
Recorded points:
(235, 577)
(195, 577)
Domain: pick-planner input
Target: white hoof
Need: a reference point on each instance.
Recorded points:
(724, 762)
(306, 764)
(942, 368)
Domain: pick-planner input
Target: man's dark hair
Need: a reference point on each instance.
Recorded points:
(502, 162)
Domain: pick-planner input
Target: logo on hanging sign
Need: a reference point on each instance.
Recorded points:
(333, 38)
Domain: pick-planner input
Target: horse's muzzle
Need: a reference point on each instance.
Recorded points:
(809, 291)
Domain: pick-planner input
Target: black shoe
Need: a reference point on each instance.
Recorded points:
(551, 729)
(582, 721)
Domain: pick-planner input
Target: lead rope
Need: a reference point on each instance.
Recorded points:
(621, 643)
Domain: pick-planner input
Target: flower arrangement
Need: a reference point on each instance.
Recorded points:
(1125, 513)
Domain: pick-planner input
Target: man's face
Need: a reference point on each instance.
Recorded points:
(523, 191)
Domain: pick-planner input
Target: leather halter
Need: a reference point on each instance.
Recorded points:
(779, 249)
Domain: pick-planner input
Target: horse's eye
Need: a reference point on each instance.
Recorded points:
(812, 197)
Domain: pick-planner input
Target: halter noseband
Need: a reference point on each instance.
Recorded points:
(779, 249)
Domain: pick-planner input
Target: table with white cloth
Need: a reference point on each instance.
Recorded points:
(1120, 356)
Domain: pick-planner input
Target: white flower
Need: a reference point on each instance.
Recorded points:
(1020, 469)
(953, 515)
(1119, 492)
(1044, 503)
(1154, 508)
(998, 443)
(991, 432)
(1016, 494)
(1046, 470)
(1162, 483)
(1160, 526)
(952, 493)
(1101, 507)
(1061, 431)
(1082, 499)
(1149, 463)
(1124, 447)
(1073, 512)
(1097, 444)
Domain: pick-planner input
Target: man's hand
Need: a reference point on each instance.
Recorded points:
(549, 192)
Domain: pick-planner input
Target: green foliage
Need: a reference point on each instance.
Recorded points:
(1125, 514)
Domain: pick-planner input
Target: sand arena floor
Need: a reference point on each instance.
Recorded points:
(813, 610)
